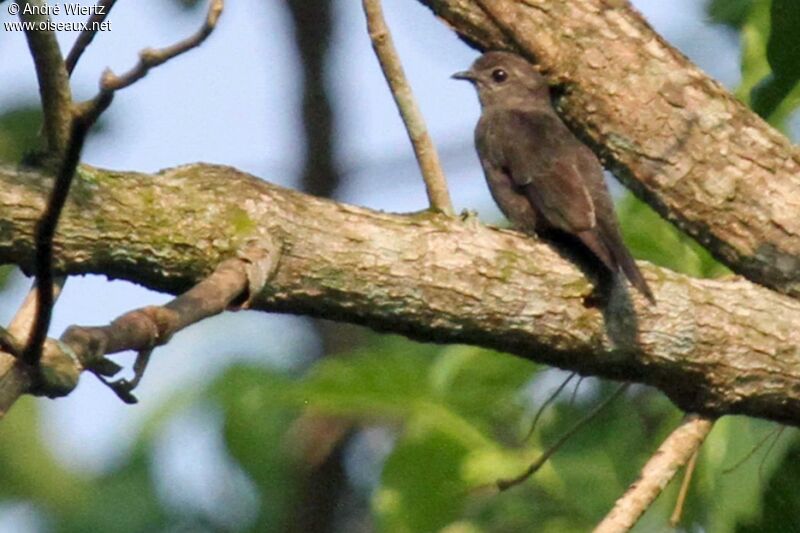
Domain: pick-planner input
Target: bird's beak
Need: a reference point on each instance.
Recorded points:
(467, 75)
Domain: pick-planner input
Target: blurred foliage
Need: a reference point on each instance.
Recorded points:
(454, 434)
(771, 59)
(19, 132)
(780, 502)
(652, 238)
(5, 272)
(257, 421)
(730, 12)
(189, 5)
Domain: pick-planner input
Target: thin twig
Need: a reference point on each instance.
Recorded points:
(575, 391)
(45, 231)
(550, 399)
(54, 89)
(425, 151)
(79, 127)
(766, 453)
(673, 453)
(677, 513)
(148, 58)
(80, 122)
(752, 451)
(100, 13)
(504, 484)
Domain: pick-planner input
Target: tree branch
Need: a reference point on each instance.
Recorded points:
(16, 377)
(668, 131)
(45, 232)
(424, 149)
(673, 453)
(507, 483)
(233, 283)
(149, 58)
(54, 89)
(714, 346)
(86, 37)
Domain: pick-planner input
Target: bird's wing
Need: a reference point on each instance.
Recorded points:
(538, 153)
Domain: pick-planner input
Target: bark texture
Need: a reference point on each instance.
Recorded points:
(667, 130)
(714, 346)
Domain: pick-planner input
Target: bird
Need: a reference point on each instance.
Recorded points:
(543, 178)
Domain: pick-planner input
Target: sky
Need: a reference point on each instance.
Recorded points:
(234, 101)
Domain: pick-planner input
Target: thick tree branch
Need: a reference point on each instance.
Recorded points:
(671, 133)
(714, 346)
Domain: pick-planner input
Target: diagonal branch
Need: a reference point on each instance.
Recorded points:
(674, 452)
(427, 158)
(507, 483)
(101, 11)
(714, 346)
(668, 131)
(45, 232)
(69, 157)
(148, 59)
(233, 282)
(54, 89)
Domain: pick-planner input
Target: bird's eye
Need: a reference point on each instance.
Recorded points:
(499, 75)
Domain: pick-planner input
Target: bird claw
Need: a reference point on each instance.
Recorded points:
(470, 218)
(123, 388)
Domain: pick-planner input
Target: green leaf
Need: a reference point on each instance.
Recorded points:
(779, 503)
(783, 48)
(652, 238)
(123, 501)
(732, 13)
(385, 381)
(470, 392)
(483, 386)
(770, 61)
(422, 488)
(754, 36)
(28, 470)
(258, 415)
(736, 494)
(19, 132)
(774, 98)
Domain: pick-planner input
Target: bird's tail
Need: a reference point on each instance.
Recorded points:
(616, 257)
(634, 275)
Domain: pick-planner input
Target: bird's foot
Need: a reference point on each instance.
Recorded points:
(470, 218)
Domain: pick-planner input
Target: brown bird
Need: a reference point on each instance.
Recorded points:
(542, 177)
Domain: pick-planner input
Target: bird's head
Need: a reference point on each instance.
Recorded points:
(505, 77)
